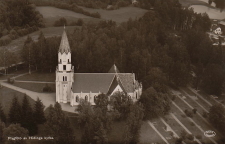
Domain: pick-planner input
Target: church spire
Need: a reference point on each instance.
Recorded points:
(64, 45)
(114, 69)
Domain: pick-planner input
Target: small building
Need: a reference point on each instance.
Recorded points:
(216, 29)
(72, 87)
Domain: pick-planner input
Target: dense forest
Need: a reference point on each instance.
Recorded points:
(170, 38)
(18, 18)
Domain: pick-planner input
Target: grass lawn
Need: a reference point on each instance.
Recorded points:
(119, 15)
(36, 87)
(148, 135)
(16, 73)
(37, 76)
(6, 96)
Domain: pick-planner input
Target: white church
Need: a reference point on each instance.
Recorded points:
(72, 87)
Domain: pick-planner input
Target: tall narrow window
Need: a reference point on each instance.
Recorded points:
(64, 67)
(95, 98)
(68, 61)
(77, 99)
(63, 78)
(60, 61)
(136, 96)
(86, 98)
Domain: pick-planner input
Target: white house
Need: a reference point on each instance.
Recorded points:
(218, 31)
(134, 2)
(71, 87)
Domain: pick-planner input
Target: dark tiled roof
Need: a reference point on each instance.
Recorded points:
(94, 82)
(103, 82)
(64, 45)
(127, 80)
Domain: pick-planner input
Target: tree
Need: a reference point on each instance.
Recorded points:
(15, 130)
(156, 79)
(27, 117)
(2, 115)
(96, 123)
(15, 111)
(216, 117)
(2, 127)
(58, 125)
(102, 102)
(133, 124)
(154, 103)
(121, 103)
(213, 78)
(39, 112)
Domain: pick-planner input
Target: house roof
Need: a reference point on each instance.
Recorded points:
(64, 45)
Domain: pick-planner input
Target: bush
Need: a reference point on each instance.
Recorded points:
(190, 137)
(61, 22)
(173, 97)
(194, 110)
(47, 88)
(80, 22)
(10, 80)
(188, 113)
(178, 141)
(205, 114)
(192, 124)
(198, 137)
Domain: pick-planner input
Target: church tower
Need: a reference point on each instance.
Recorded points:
(64, 71)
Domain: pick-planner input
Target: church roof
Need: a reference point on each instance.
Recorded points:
(64, 45)
(114, 69)
(92, 82)
(101, 82)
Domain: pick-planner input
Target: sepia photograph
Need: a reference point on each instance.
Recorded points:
(112, 71)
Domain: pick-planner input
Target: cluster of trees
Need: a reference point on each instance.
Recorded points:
(41, 55)
(18, 18)
(62, 21)
(96, 121)
(22, 118)
(67, 6)
(96, 4)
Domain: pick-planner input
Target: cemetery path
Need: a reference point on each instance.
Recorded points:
(46, 98)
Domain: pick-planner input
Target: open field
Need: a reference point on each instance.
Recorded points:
(119, 15)
(37, 76)
(51, 14)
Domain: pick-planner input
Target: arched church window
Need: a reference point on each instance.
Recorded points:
(129, 97)
(77, 98)
(63, 78)
(86, 98)
(95, 97)
(60, 60)
(68, 61)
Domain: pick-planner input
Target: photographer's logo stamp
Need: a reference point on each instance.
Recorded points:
(209, 133)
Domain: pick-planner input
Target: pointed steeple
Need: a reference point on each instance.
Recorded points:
(64, 45)
(114, 69)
